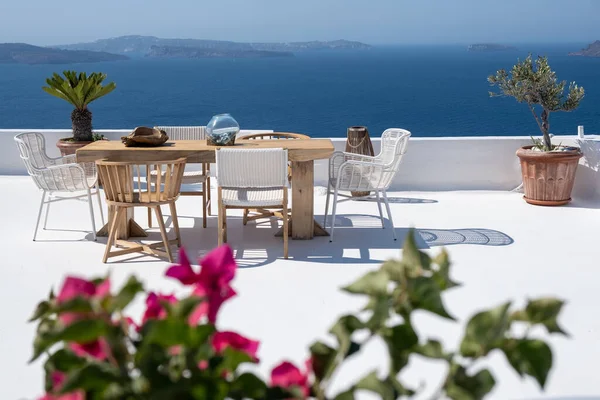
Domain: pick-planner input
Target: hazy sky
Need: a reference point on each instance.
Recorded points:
(373, 21)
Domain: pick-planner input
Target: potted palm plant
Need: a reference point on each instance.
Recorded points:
(548, 169)
(79, 89)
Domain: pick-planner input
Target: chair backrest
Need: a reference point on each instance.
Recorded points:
(393, 146)
(252, 168)
(32, 149)
(273, 135)
(119, 178)
(184, 132)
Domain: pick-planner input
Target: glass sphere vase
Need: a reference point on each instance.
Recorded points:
(221, 130)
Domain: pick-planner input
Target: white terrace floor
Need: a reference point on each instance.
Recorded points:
(502, 249)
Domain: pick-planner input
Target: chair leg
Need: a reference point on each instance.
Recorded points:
(335, 195)
(380, 210)
(37, 224)
(387, 207)
(113, 232)
(89, 196)
(327, 204)
(100, 204)
(204, 204)
(285, 228)
(175, 222)
(207, 171)
(149, 218)
(47, 212)
(163, 232)
(245, 218)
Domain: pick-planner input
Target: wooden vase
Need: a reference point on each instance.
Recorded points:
(359, 142)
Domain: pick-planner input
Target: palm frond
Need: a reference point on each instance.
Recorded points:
(78, 89)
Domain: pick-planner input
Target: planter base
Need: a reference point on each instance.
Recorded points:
(547, 203)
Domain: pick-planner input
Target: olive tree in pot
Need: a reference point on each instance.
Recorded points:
(548, 169)
(79, 89)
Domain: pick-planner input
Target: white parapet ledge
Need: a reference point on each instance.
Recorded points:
(431, 164)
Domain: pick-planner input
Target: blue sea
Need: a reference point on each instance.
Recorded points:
(429, 90)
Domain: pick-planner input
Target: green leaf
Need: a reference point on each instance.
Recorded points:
(126, 295)
(74, 305)
(373, 283)
(373, 384)
(400, 340)
(232, 359)
(347, 395)
(431, 349)
(343, 330)
(250, 386)
(462, 386)
(323, 358)
(380, 306)
(424, 293)
(442, 275)
(64, 360)
(171, 331)
(41, 310)
(485, 331)
(83, 331)
(545, 311)
(529, 356)
(92, 377)
(184, 307)
(411, 254)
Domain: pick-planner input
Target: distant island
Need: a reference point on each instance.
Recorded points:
(196, 52)
(593, 50)
(21, 53)
(150, 46)
(489, 47)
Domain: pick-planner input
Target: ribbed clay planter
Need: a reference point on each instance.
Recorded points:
(67, 146)
(548, 177)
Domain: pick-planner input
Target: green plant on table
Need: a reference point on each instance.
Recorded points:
(535, 84)
(79, 89)
(177, 351)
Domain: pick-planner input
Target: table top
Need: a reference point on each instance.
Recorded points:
(197, 151)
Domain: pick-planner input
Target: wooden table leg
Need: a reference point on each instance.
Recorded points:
(303, 224)
(127, 226)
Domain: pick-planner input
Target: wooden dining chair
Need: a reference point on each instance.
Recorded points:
(190, 177)
(123, 189)
(254, 214)
(252, 178)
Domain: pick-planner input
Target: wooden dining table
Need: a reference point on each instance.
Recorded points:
(301, 153)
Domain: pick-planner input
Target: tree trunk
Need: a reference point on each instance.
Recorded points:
(546, 130)
(82, 125)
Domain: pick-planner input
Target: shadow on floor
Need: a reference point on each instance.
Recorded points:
(448, 237)
(358, 239)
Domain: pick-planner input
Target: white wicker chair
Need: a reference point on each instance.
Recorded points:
(57, 175)
(190, 177)
(355, 172)
(252, 178)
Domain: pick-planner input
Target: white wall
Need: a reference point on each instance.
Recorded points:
(448, 163)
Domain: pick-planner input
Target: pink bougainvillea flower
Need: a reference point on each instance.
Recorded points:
(154, 308)
(287, 375)
(98, 349)
(58, 379)
(77, 287)
(211, 283)
(223, 340)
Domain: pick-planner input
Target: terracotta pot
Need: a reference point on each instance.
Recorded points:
(548, 177)
(67, 146)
